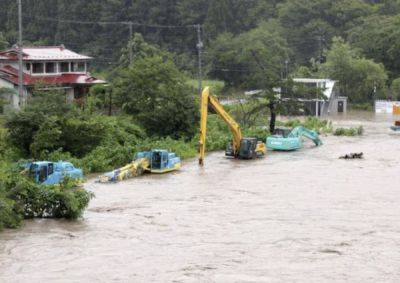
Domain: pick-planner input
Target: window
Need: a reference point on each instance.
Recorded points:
(51, 168)
(81, 67)
(50, 67)
(28, 66)
(64, 66)
(78, 67)
(37, 68)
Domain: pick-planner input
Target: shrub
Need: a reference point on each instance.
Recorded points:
(312, 123)
(349, 131)
(22, 198)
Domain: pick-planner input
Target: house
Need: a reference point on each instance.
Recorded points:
(331, 103)
(47, 67)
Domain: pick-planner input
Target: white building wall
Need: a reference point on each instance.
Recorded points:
(13, 97)
(70, 95)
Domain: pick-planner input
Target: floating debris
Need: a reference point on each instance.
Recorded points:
(330, 251)
(353, 156)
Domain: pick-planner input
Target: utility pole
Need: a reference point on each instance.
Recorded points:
(129, 45)
(199, 51)
(20, 66)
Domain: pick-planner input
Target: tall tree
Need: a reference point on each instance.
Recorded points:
(360, 79)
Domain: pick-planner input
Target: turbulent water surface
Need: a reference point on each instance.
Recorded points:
(299, 216)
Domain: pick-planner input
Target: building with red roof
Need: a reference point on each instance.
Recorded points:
(49, 67)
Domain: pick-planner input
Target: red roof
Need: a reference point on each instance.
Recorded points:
(11, 74)
(40, 53)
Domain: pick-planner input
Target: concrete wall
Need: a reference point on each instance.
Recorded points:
(12, 97)
(70, 95)
(335, 105)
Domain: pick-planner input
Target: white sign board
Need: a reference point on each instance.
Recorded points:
(384, 106)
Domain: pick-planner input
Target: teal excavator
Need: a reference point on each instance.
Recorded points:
(285, 139)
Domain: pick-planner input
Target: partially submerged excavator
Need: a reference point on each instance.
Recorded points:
(241, 147)
(156, 161)
(285, 139)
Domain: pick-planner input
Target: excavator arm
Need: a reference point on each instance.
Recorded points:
(208, 99)
(302, 131)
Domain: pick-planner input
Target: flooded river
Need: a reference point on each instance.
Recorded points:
(301, 216)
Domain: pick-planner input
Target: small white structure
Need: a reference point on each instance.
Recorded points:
(333, 103)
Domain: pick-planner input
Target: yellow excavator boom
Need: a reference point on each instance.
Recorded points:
(208, 99)
(133, 169)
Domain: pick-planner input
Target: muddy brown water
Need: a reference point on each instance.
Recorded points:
(300, 216)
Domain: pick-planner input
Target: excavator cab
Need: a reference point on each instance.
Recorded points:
(283, 132)
(52, 173)
(159, 159)
(248, 148)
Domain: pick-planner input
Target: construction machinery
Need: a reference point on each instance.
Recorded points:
(52, 173)
(285, 139)
(156, 161)
(241, 147)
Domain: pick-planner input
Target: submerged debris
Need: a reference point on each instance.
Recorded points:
(330, 251)
(352, 156)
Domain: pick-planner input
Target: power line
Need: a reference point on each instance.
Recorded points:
(20, 70)
(127, 23)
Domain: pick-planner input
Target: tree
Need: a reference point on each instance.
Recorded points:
(155, 93)
(138, 48)
(379, 38)
(3, 42)
(395, 88)
(359, 78)
(250, 60)
(311, 24)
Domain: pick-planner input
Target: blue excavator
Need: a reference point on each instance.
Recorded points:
(52, 173)
(285, 139)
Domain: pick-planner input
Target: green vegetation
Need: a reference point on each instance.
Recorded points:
(395, 89)
(247, 44)
(154, 91)
(366, 106)
(312, 123)
(258, 52)
(20, 198)
(361, 78)
(350, 132)
(216, 86)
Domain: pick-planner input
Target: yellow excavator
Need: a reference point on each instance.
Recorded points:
(243, 148)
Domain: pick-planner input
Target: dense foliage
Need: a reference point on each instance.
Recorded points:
(155, 92)
(363, 78)
(21, 198)
(250, 44)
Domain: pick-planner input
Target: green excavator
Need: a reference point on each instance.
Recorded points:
(285, 139)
